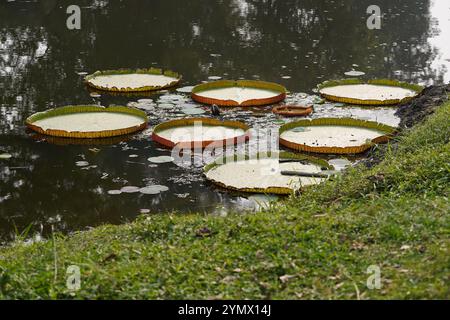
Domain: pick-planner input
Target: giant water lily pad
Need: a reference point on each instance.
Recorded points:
(265, 173)
(373, 92)
(334, 136)
(200, 132)
(88, 121)
(127, 80)
(239, 93)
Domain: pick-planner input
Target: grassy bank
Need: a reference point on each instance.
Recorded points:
(319, 245)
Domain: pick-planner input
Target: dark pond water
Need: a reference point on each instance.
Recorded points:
(296, 43)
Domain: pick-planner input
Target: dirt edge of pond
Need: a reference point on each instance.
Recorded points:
(412, 114)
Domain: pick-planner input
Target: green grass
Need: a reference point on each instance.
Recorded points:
(318, 245)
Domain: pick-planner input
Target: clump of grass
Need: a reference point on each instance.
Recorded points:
(317, 245)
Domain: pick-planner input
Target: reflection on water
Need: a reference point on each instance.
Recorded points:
(296, 43)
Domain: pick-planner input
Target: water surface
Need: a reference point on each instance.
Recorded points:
(295, 43)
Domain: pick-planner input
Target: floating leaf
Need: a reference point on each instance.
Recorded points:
(166, 106)
(81, 163)
(187, 89)
(132, 80)
(202, 130)
(114, 192)
(130, 189)
(374, 92)
(88, 121)
(330, 135)
(161, 159)
(262, 174)
(145, 101)
(239, 93)
(193, 111)
(154, 189)
(354, 73)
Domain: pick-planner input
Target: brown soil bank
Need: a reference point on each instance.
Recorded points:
(425, 104)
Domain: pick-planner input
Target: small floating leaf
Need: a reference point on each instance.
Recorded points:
(81, 163)
(187, 89)
(354, 73)
(145, 101)
(155, 189)
(193, 111)
(165, 106)
(5, 156)
(161, 159)
(130, 189)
